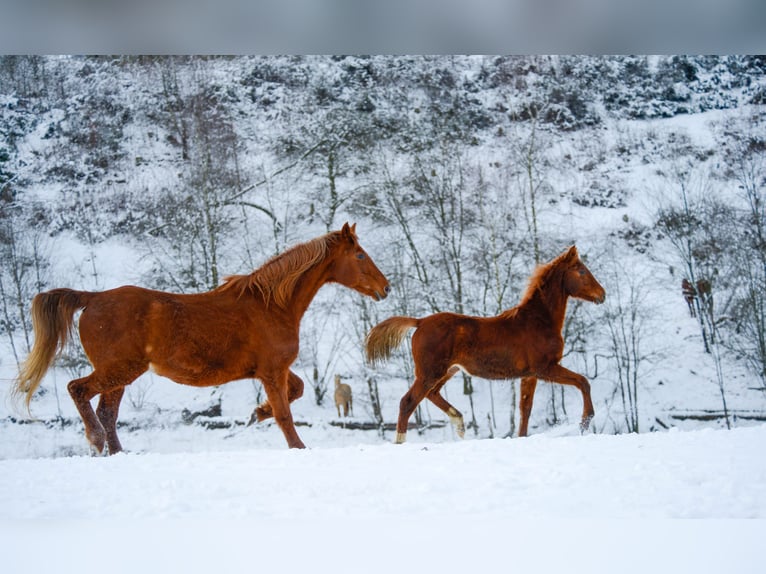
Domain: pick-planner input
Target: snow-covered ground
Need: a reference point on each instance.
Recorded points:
(583, 503)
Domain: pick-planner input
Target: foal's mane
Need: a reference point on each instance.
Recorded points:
(276, 278)
(546, 272)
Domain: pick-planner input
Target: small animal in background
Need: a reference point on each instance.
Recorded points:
(343, 397)
(689, 293)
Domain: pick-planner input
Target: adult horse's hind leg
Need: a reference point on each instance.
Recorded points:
(559, 374)
(101, 426)
(82, 391)
(528, 385)
(294, 391)
(107, 411)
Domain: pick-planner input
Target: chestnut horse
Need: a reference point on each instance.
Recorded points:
(524, 341)
(246, 328)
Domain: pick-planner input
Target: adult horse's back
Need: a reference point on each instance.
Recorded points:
(246, 328)
(524, 341)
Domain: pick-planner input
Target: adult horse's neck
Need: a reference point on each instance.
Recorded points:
(306, 288)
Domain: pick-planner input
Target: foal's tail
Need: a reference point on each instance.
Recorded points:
(387, 336)
(52, 320)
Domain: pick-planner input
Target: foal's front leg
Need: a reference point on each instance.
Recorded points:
(562, 375)
(528, 386)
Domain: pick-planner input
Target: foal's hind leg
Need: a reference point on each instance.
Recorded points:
(407, 406)
(107, 411)
(528, 385)
(418, 391)
(455, 416)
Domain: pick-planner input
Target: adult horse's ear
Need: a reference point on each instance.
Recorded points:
(572, 253)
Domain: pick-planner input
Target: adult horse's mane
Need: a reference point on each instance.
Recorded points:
(276, 278)
(543, 274)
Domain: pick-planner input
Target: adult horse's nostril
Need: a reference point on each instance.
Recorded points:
(387, 289)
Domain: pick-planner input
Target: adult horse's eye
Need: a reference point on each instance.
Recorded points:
(360, 256)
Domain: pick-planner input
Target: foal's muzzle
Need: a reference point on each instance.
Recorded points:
(380, 296)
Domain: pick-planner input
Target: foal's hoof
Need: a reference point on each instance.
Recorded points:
(584, 424)
(456, 419)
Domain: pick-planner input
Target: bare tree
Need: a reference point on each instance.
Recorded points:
(23, 273)
(744, 154)
(316, 353)
(694, 226)
(627, 321)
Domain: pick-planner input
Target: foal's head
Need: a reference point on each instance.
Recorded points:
(578, 280)
(353, 268)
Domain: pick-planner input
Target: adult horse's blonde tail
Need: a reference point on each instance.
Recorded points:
(384, 337)
(52, 320)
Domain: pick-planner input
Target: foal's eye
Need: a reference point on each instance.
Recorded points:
(360, 256)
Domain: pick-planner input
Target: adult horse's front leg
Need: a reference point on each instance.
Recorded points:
(277, 392)
(528, 385)
(562, 375)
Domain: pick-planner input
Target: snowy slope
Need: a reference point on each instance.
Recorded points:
(477, 504)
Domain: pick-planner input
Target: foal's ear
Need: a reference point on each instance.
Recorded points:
(572, 253)
(348, 232)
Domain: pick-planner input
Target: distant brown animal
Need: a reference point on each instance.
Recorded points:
(689, 293)
(246, 328)
(524, 341)
(343, 398)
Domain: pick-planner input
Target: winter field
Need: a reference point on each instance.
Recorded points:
(591, 503)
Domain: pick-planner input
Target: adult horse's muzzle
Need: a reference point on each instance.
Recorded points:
(601, 299)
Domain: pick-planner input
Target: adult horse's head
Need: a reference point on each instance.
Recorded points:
(579, 282)
(353, 268)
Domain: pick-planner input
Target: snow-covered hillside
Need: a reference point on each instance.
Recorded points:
(174, 172)
(462, 173)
